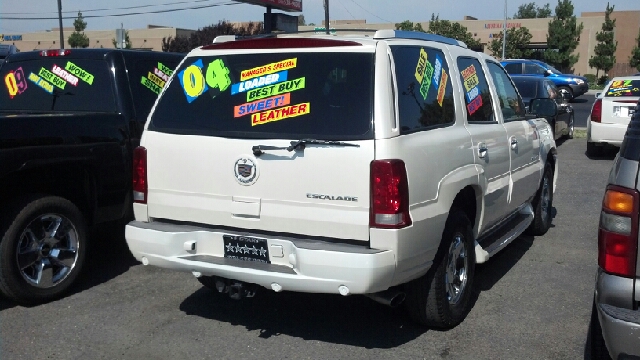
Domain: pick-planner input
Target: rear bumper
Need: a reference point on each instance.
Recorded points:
(606, 133)
(296, 265)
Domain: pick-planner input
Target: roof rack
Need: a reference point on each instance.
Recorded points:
(400, 34)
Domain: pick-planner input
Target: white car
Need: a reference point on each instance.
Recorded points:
(611, 112)
(384, 165)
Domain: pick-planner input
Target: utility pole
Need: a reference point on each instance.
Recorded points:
(326, 16)
(504, 29)
(60, 24)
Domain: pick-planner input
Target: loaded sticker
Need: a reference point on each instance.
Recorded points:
(259, 82)
(41, 82)
(16, 82)
(470, 77)
(442, 87)
(280, 114)
(65, 75)
(436, 72)
(50, 77)
(269, 69)
(276, 89)
(77, 71)
(474, 105)
(260, 105)
(194, 83)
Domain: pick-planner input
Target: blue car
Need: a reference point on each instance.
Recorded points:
(568, 83)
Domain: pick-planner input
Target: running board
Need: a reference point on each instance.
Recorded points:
(489, 245)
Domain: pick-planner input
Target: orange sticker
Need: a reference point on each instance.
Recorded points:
(261, 105)
(442, 87)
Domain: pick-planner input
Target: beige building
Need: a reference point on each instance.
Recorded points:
(627, 26)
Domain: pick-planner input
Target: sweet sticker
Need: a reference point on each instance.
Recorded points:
(62, 73)
(268, 69)
(16, 82)
(260, 105)
(280, 114)
(77, 71)
(437, 68)
(422, 63)
(426, 81)
(41, 82)
(442, 87)
(474, 105)
(50, 77)
(276, 89)
(259, 82)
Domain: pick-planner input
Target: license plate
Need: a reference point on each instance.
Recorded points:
(246, 248)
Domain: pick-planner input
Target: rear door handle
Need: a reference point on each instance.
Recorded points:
(482, 150)
(514, 143)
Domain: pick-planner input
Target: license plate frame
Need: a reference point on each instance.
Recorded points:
(246, 248)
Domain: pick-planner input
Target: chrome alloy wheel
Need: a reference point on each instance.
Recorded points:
(571, 126)
(545, 198)
(456, 271)
(47, 250)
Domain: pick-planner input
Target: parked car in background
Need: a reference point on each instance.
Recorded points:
(615, 318)
(6, 50)
(572, 84)
(534, 88)
(611, 112)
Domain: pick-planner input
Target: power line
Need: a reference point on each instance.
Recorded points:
(118, 15)
(370, 12)
(347, 10)
(107, 9)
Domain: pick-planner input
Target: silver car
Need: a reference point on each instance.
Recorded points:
(615, 321)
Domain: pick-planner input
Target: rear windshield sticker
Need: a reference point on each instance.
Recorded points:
(268, 69)
(50, 77)
(259, 82)
(77, 71)
(474, 105)
(280, 114)
(470, 77)
(422, 63)
(192, 81)
(472, 94)
(218, 77)
(277, 89)
(65, 75)
(41, 82)
(153, 83)
(442, 87)
(621, 84)
(260, 105)
(436, 72)
(16, 82)
(165, 70)
(426, 81)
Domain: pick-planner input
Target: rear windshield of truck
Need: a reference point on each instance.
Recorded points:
(56, 84)
(283, 95)
(623, 88)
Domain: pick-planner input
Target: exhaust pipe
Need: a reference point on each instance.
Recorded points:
(235, 289)
(391, 297)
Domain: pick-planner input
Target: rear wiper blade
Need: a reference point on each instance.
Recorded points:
(299, 145)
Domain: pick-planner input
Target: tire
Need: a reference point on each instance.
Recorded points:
(209, 282)
(571, 128)
(598, 347)
(42, 250)
(437, 299)
(594, 150)
(542, 205)
(567, 90)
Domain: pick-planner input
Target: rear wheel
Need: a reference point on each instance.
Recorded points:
(42, 250)
(594, 150)
(571, 126)
(598, 347)
(441, 298)
(566, 90)
(543, 204)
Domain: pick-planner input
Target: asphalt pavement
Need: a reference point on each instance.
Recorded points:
(582, 108)
(532, 301)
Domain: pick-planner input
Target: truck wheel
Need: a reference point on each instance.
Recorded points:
(208, 281)
(542, 205)
(594, 150)
(571, 128)
(42, 249)
(567, 90)
(598, 347)
(441, 298)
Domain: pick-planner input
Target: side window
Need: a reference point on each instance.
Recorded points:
(514, 68)
(553, 91)
(477, 95)
(425, 93)
(536, 69)
(510, 102)
(147, 78)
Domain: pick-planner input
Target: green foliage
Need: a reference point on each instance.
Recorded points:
(127, 41)
(531, 11)
(452, 30)
(516, 46)
(409, 26)
(634, 60)
(78, 39)
(591, 78)
(605, 49)
(563, 38)
(205, 35)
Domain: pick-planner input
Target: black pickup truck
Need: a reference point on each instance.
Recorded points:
(69, 123)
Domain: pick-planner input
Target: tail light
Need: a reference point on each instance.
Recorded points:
(389, 195)
(618, 233)
(140, 185)
(58, 52)
(596, 111)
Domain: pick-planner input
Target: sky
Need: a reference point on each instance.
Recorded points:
(373, 11)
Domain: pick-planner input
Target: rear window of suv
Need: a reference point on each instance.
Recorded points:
(283, 95)
(623, 88)
(57, 84)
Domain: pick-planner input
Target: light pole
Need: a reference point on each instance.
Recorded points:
(504, 29)
(60, 24)
(326, 16)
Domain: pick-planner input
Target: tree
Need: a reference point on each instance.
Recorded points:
(78, 39)
(453, 30)
(516, 47)
(634, 60)
(563, 37)
(127, 41)
(301, 21)
(205, 35)
(409, 26)
(605, 49)
(531, 11)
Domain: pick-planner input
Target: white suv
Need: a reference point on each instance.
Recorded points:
(386, 166)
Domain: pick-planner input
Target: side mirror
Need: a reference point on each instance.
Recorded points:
(543, 107)
(547, 72)
(598, 94)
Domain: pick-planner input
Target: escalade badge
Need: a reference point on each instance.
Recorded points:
(245, 171)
